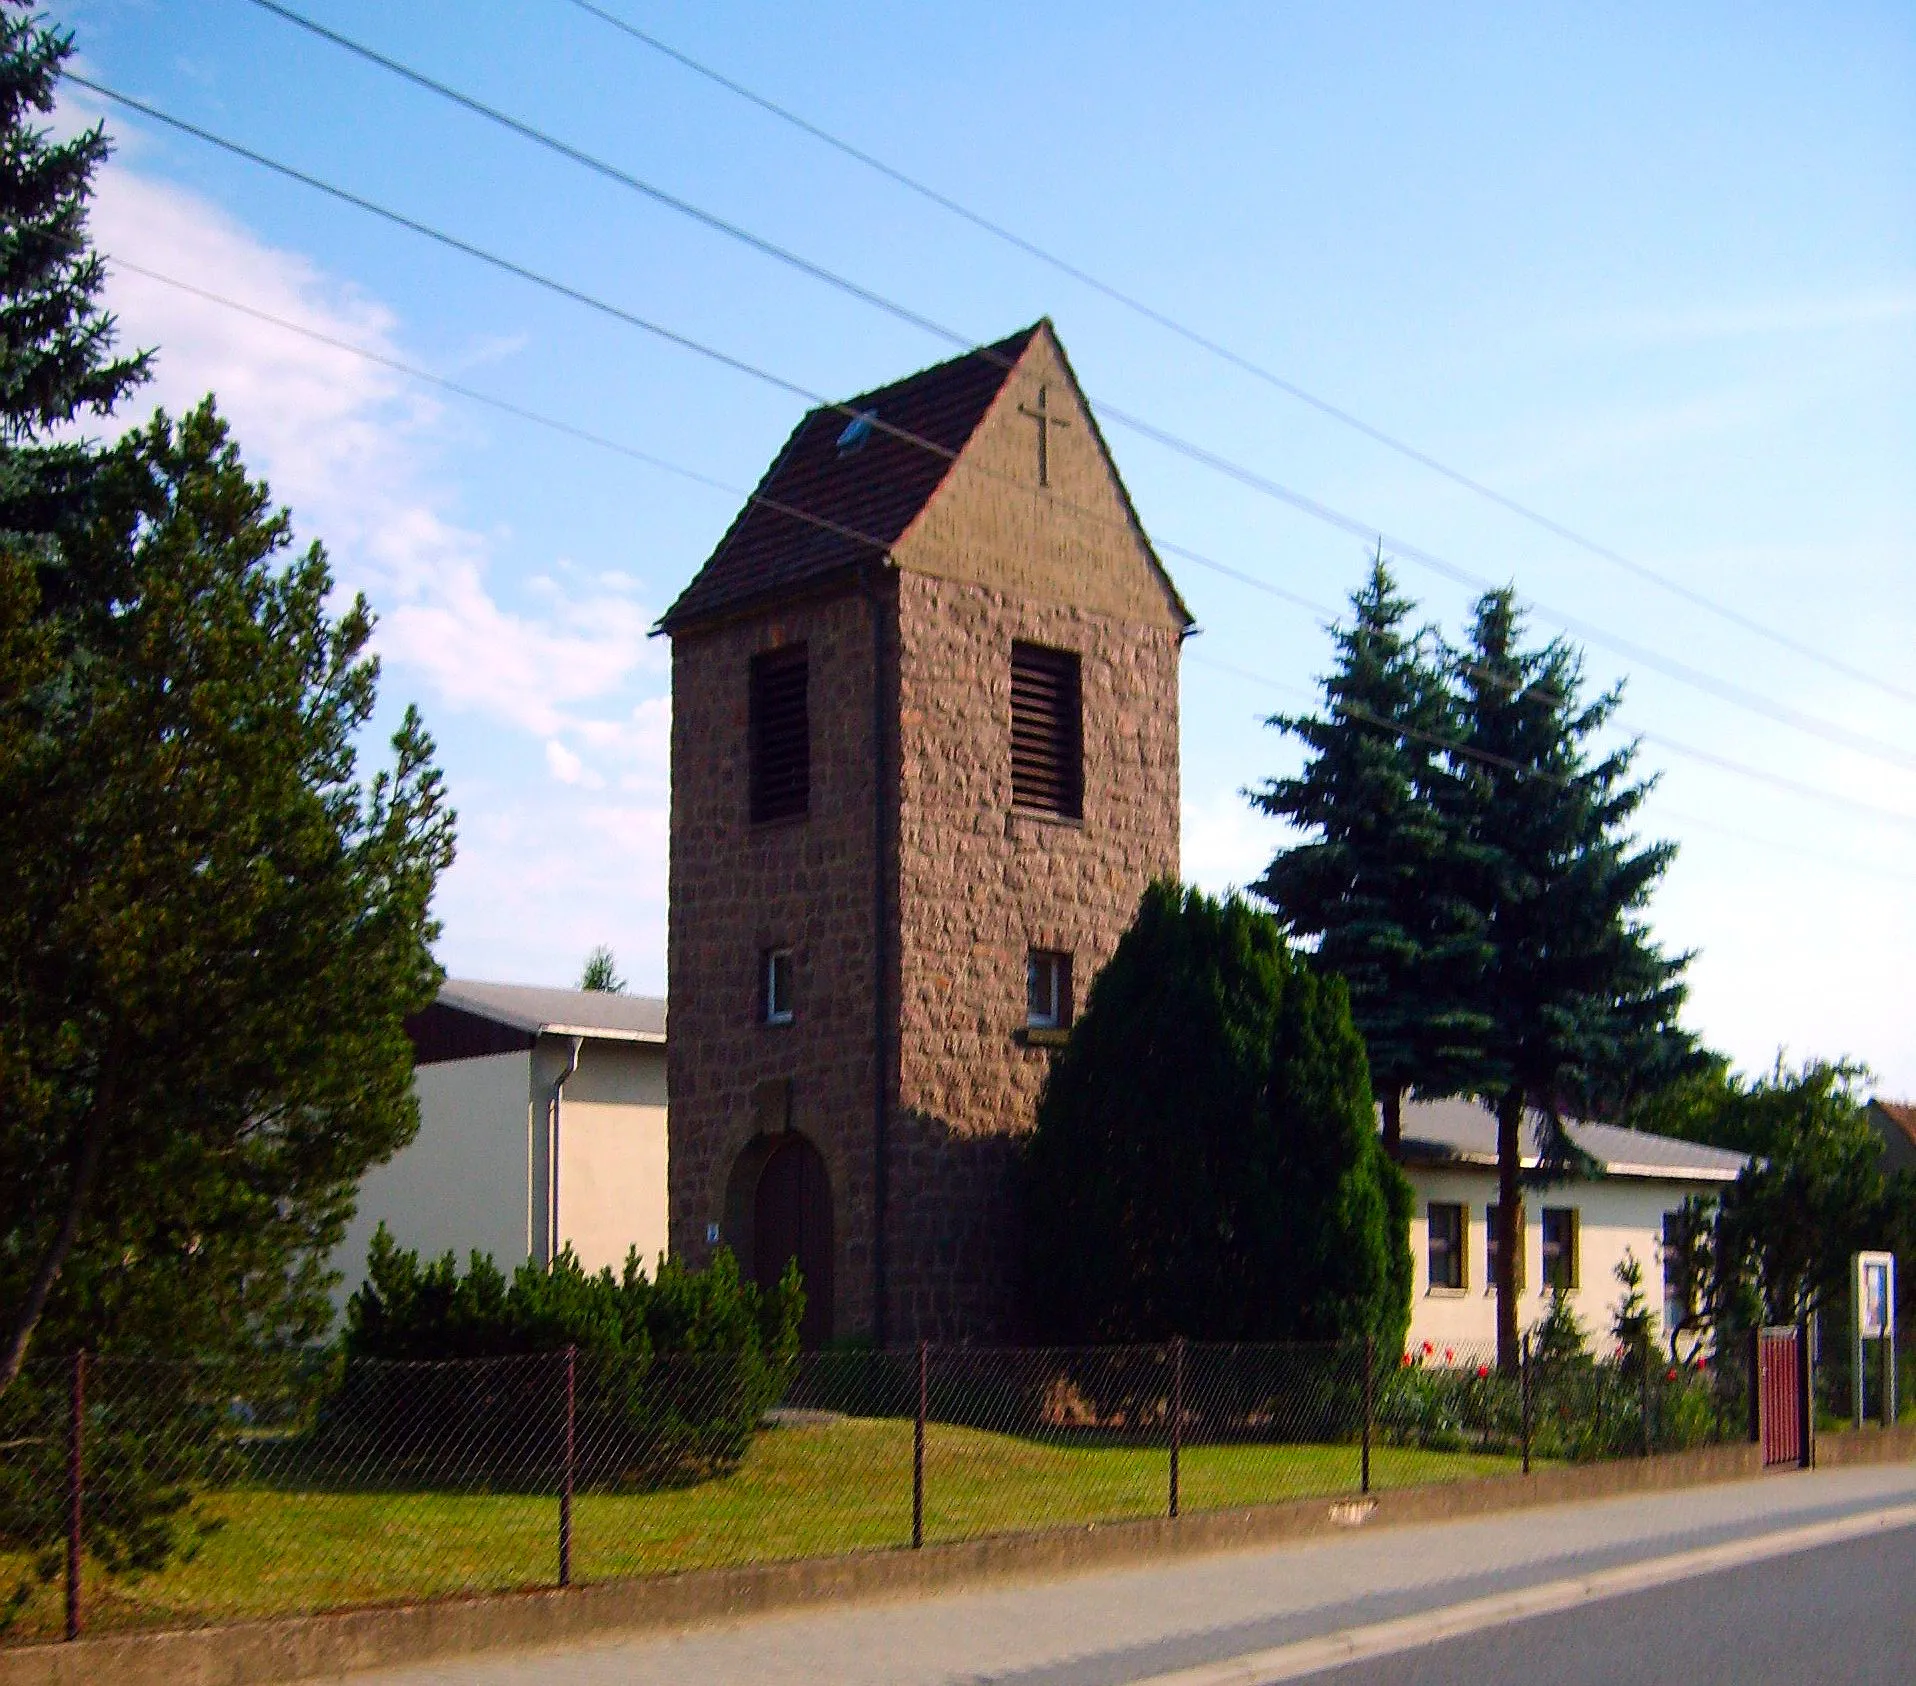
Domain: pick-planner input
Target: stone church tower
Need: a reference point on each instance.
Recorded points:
(924, 763)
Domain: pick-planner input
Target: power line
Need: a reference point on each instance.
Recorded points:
(1738, 695)
(1247, 365)
(1470, 752)
(1248, 477)
(666, 465)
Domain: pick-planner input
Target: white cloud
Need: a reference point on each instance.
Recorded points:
(566, 675)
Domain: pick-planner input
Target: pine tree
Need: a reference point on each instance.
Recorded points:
(600, 974)
(56, 343)
(1380, 883)
(1575, 989)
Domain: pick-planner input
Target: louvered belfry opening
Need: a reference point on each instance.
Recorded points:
(781, 736)
(1047, 756)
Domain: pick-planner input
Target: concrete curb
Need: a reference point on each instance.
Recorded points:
(305, 1647)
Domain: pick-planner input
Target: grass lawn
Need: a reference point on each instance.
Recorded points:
(812, 1490)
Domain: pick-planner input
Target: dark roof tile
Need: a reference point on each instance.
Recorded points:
(820, 512)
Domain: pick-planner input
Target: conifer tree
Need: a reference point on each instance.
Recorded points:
(1380, 882)
(57, 359)
(1347, 1206)
(1205, 1161)
(1575, 989)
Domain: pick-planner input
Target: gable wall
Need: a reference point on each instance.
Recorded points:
(1072, 542)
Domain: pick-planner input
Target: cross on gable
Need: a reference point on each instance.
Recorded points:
(1045, 423)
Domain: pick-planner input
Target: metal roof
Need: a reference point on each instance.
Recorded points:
(560, 1012)
(1464, 1133)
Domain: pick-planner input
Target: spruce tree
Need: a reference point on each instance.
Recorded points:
(1575, 990)
(1380, 882)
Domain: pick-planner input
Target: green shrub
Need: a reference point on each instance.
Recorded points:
(1206, 1161)
(670, 1375)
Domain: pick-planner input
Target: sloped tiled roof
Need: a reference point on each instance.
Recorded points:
(577, 1012)
(819, 513)
(1902, 1114)
(1464, 1133)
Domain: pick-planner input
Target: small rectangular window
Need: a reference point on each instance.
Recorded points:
(780, 732)
(1047, 738)
(1446, 1245)
(1560, 1248)
(775, 986)
(1493, 1248)
(1047, 989)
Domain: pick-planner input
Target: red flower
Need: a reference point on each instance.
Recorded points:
(1428, 1349)
(1408, 1360)
(1482, 1371)
(1672, 1375)
(1449, 1356)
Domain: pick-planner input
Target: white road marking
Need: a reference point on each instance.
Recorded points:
(1408, 1633)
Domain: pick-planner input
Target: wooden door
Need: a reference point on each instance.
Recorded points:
(792, 1219)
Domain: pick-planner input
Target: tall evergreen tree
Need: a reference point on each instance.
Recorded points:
(1380, 882)
(1575, 989)
(211, 928)
(57, 359)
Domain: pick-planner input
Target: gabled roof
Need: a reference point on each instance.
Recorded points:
(1901, 1115)
(819, 512)
(559, 1012)
(1463, 1134)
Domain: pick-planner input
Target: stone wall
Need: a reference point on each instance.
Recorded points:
(737, 889)
(979, 885)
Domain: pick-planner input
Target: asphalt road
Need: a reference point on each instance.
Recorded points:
(1842, 1613)
(1838, 1613)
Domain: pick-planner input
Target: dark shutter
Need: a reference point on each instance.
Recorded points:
(781, 736)
(1047, 771)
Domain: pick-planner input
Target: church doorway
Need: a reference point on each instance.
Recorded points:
(792, 1219)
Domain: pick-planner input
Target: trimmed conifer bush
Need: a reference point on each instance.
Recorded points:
(1206, 1160)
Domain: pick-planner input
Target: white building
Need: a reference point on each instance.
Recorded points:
(1575, 1232)
(515, 1083)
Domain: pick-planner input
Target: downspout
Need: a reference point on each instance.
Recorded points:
(552, 1150)
(881, 1155)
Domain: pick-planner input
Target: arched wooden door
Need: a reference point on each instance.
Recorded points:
(792, 1219)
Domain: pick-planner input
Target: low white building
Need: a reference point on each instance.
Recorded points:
(1575, 1232)
(541, 1125)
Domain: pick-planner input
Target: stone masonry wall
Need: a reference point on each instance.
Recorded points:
(980, 884)
(737, 889)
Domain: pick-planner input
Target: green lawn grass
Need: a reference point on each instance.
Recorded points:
(836, 1486)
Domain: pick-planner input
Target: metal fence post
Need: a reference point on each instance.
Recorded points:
(565, 1485)
(1523, 1395)
(918, 1448)
(1370, 1402)
(1177, 1416)
(76, 1487)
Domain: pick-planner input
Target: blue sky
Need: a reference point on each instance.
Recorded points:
(1651, 274)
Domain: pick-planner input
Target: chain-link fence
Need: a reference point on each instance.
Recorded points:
(136, 1493)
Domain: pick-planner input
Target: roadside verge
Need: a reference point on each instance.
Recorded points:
(303, 1647)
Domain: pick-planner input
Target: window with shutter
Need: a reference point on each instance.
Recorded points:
(781, 736)
(1047, 757)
